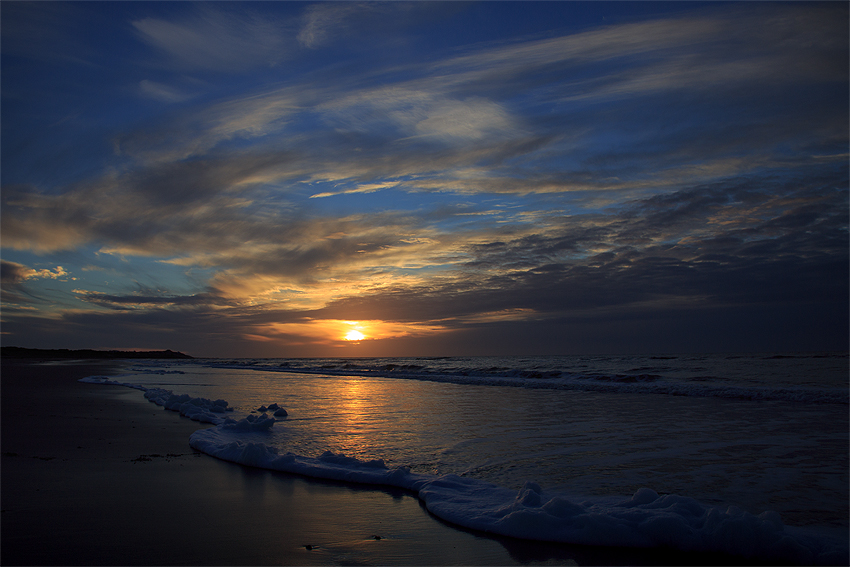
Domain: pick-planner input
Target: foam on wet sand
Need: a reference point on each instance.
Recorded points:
(646, 520)
(97, 475)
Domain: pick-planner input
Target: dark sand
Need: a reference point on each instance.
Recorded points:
(96, 475)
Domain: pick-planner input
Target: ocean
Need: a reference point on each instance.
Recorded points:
(739, 453)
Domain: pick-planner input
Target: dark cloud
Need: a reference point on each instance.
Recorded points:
(12, 273)
(12, 276)
(795, 255)
(156, 300)
(706, 256)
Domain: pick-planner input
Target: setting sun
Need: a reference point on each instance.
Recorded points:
(354, 335)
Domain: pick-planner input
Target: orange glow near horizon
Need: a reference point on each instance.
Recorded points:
(338, 332)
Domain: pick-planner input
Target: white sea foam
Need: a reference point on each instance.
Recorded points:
(645, 520)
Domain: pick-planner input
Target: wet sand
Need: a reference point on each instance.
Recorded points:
(97, 475)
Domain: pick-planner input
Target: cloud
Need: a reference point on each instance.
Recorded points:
(362, 188)
(193, 217)
(14, 273)
(467, 120)
(465, 114)
(717, 48)
(148, 299)
(12, 278)
(323, 24)
(323, 19)
(412, 109)
(694, 248)
(198, 131)
(216, 39)
(524, 182)
(147, 212)
(754, 255)
(162, 93)
(436, 127)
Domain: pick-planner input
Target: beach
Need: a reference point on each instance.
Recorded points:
(94, 474)
(88, 481)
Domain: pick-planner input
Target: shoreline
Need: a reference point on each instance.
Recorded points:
(96, 475)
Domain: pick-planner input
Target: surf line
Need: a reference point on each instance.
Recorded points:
(646, 520)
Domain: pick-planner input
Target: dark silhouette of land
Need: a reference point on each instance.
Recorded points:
(86, 354)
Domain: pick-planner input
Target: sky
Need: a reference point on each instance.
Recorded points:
(281, 179)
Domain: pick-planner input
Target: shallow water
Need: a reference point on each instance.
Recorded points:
(758, 454)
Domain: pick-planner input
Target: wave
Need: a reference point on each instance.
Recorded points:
(640, 380)
(645, 520)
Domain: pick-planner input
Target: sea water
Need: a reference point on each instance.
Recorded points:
(746, 454)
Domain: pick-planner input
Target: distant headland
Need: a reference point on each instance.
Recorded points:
(64, 353)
